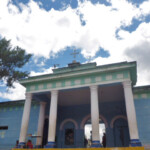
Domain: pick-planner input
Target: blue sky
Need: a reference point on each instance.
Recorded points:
(107, 31)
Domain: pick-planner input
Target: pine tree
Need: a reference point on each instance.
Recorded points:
(12, 59)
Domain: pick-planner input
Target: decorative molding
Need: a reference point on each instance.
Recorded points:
(77, 81)
(68, 120)
(49, 85)
(108, 77)
(32, 87)
(87, 80)
(79, 86)
(142, 96)
(40, 86)
(98, 69)
(99, 78)
(84, 120)
(115, 118)
(58, 84)
(120, 76)
(68, 83)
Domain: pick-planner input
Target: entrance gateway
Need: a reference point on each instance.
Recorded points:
(79, 95)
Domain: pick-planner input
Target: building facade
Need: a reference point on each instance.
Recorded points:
(59, 105)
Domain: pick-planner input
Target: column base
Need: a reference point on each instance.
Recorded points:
(50, 145)
(21, 145)
(135, 143)
(96, 144)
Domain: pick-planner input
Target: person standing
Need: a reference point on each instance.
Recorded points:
(104, 140)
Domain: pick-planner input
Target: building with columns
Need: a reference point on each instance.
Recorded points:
(58, 106)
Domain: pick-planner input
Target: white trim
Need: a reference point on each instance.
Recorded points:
(108, 77)
(77, 81)
(40, 86)
(98, 78)
(87, 80)
(68, 83)
(57, 76)
(58, 84)
(49, 85)
(32, 87)
(120, 76)
(80, 86)
(115, 118)
(68, 120)
(84, 120)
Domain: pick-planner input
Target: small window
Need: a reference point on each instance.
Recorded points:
(3, 127)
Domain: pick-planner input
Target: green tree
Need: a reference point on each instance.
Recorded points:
(12, 59)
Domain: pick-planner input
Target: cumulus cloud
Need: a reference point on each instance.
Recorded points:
(17, 93)
(45, 33)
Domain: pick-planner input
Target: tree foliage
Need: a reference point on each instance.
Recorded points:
(12, 59)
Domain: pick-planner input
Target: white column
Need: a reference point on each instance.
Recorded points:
(94, 113)
(130, 109)
(53, 116)
(41, 124)
(25, 118)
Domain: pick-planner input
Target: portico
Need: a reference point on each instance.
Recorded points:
(77, 91)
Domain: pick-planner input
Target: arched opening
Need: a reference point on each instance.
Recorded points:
(88, 133)
(121, 133)
(68, 135)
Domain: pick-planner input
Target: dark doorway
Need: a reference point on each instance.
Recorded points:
(45, 132)
(69, 136)
(68, 140)
(121, 133)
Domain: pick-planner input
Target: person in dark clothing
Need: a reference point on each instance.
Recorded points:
(85, 142)
(17, 143)
(104, 140)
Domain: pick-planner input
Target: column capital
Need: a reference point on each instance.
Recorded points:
(55, 92)
(127, 84)
(94, 87)
(28, 95)
(43, 103)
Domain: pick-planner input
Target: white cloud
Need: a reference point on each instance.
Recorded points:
(17, 93)
(144, 7)
(45, 33)
(44, 71)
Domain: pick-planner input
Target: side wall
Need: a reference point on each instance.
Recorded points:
(11, 116)
(142, 106)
